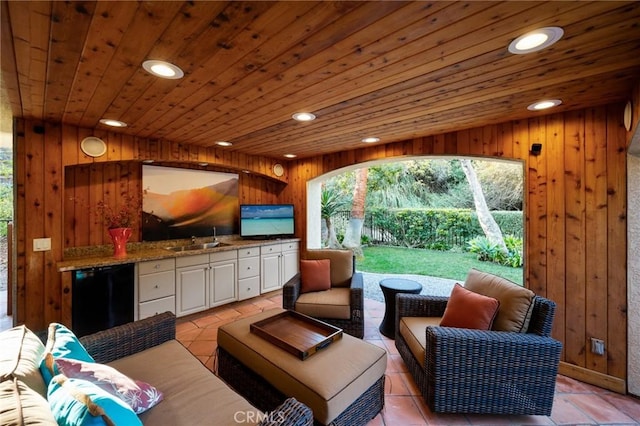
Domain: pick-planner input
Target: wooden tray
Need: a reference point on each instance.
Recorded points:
(296, 333)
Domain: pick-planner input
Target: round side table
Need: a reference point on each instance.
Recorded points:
(390, 287)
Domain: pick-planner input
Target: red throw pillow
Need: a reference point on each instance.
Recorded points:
(466, 309)
(315, 275)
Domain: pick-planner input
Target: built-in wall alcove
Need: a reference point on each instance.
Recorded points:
(87, 184)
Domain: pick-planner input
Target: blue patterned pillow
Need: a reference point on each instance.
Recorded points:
(61, 343)
(76, 402)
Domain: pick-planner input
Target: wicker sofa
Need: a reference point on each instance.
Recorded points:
(147, 350)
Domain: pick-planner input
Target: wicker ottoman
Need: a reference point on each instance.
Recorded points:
(343, 384)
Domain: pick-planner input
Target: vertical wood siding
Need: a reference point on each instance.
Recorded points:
(575, 205)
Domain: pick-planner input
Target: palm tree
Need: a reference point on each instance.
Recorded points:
(330, 203)
(353, 234)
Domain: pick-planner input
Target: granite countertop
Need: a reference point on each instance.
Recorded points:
(96, 256)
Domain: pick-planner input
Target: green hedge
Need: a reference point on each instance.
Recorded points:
(438, 229)
(510, 223)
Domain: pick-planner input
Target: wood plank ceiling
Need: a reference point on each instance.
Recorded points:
(390, 69)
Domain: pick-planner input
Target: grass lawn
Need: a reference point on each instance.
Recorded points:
(443, 264)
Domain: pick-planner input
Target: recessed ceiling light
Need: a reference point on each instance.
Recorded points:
(536, 40)
(163, 69)
(549, 103)
(290, 155)
(303, 116)
(223, 143)
(113, 123)
(370, 139)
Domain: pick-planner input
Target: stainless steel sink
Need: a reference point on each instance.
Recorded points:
(192, 247)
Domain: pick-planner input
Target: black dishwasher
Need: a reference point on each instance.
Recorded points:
(102, 298)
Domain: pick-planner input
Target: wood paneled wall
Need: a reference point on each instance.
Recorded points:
(575, 209)
(58, 186)
(575, 203)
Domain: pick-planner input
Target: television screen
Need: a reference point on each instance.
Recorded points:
(266, 220)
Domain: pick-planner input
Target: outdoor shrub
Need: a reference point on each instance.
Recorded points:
(490, 252)
(438, 229)
(485, 249)
(510, 222)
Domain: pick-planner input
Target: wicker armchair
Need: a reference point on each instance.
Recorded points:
(343, 277)
(473, 371)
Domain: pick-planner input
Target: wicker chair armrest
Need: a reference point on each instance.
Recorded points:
(506, 348)
(357, 291)
(291, 292)
(420, 305)
(127, 339)
(290, 413)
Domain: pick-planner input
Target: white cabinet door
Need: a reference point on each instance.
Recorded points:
(270, 272)
(192, 285)
(223, 283)
(290, 264)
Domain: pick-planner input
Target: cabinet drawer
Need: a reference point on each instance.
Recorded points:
(249, 267)
(198, 259)
(248, 252)
(248, 287)
(153, 266)
(290, 246)
(223, 255)
(155, 286)
(271, 248)
(148, 309)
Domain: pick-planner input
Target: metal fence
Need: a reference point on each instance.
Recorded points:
(375, 234)
(378, 235)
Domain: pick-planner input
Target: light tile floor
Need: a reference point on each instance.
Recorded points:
(575, 402)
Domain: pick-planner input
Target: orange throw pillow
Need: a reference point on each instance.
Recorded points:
(466, 309)
(315, 275)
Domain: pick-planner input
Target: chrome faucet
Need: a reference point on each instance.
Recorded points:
(214, 234)
(193, 239)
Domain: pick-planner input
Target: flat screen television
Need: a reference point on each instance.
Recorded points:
(266, 221)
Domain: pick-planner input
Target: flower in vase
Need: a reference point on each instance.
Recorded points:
(124, 216)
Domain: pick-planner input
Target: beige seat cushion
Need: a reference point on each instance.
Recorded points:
(192, 393)
(516, 302)
(332, 303)
(327, 381)
(413, 329)
(341, 264)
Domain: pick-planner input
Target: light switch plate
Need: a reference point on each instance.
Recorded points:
(41, 244)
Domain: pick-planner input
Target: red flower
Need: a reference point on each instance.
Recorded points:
(122, 217)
